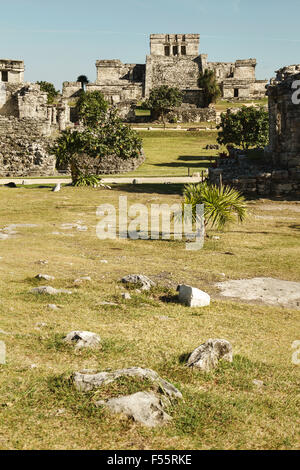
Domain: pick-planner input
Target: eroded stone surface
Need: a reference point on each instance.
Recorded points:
(83, 339)
(263, 289)
(207, 356)
(144, 407)
(48, 290)
(85, 381)
(193, 297)
(45, 277)
(140, 280)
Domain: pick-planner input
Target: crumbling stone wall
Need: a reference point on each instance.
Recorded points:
(9, 99)
(11, 71)
(24, 148)
(285, 120)
(189, 114)
(237, 79)
(180, 71)
(261, 178)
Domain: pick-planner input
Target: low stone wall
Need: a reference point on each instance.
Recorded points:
(189, 114)
(256, 180)
(109, 165)
(23, 148)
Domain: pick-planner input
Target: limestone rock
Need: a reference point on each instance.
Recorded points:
(56, 188)
(140, 280)
(206, 357)
(49, 290)
(83, 339)
(45, 277)
(81, 280)
(126, 296)
(258, 383)
(52, 307)
(143, 407)
(193, 297)
(85, 381)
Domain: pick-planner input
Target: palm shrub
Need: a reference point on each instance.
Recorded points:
(222, 204)
(208, 82)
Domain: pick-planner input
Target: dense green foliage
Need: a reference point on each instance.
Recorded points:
(248, 127)
(162, 100)
(208, 82)
(49, 88)
(87, 180)
(110, 137)
(91, 107)
(221, 203)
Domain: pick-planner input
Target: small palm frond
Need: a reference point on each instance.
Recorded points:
(221, 203)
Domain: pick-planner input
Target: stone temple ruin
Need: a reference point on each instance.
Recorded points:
(26, 120)
(281, 176)
(174, 60)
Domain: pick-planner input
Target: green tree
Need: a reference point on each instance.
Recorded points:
(162, 100)
(49, 88)
(83, 80)
(222, 204)
(110, 137)
(248, 127)
(90, 107)
(208, 82)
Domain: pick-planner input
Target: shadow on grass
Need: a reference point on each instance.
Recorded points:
(151, 188)
(169, 298)
(183, 358)
(189, 161)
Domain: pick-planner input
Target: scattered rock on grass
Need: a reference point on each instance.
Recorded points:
(206, 357)
(109, 303)
(126, 296)
(258, 383)
(52, 307)
(48, 290)
(83, 339)
(45, 277)
(193, 297)
(82, 279)
(143, 407)
(140, 280)
(85, 381)
(38, 326)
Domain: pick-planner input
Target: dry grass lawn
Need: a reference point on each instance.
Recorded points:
(221, 410)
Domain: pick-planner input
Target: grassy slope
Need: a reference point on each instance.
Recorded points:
(171, 153)
(220, 410)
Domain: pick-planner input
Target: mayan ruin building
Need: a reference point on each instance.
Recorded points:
(284, 115)
(279, 173)
(174, 60)
(26, 121)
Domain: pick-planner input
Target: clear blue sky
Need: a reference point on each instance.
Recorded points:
(61, 39)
